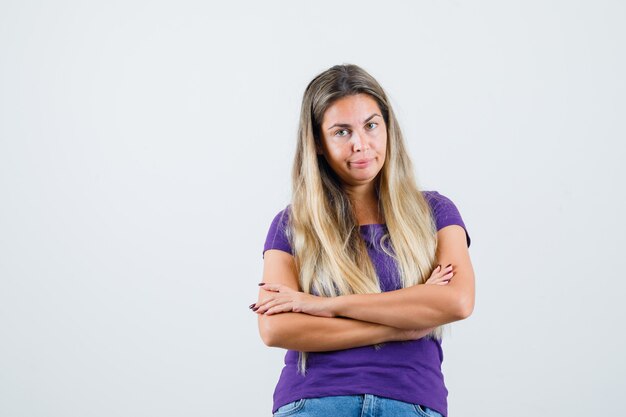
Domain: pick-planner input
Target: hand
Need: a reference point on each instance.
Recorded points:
(441, 276)
(282, 299)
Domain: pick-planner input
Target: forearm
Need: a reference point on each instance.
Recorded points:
(419, 306)
(303, 332)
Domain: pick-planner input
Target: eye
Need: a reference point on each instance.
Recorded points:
(371, 125)
(341, 133)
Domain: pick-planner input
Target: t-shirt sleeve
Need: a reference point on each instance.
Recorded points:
(277, 234)
(445, 212)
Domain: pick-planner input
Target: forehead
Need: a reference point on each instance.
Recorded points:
(350, 110)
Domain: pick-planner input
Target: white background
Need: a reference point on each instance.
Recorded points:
(145, 147)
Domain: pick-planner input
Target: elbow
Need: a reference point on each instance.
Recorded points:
(462, 299)
(465, 307)
(268, 331)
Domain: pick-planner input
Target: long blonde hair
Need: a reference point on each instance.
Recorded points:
(330, 253)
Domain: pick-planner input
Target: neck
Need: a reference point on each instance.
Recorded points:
(365, 203)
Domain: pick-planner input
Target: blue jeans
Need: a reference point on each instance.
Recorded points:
(353, 406)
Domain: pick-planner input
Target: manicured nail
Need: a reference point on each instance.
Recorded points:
(252, 305)
(448, 265)
(255, 308)
(261, 283)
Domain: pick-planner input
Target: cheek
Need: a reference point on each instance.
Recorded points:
(339, 152)
(335, 157)
(382, 145)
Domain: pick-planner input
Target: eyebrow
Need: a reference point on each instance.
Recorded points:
(347, 125)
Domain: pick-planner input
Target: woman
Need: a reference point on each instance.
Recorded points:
(344, 264)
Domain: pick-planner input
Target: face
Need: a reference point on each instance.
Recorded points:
(354, 140)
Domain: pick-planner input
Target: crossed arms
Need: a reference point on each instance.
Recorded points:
(294, 320)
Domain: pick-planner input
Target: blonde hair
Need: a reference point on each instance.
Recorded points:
(330, 253)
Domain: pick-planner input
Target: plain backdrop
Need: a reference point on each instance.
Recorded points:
(145, 147)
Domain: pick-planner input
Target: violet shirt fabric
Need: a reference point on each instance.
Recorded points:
(405, 371)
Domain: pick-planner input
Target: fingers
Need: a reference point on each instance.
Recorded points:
(439, 271)
(274, 308)
(274, 303)
(441, 276)
(270, 287)
(284, 308)
(261, 303)
(442, 273)
(446, 270)
(264, 305)
(279, 299)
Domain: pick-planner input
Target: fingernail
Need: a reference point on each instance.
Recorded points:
(261, 283)
(438, 266)
(448, 265)
(252, 305)
(255, 308)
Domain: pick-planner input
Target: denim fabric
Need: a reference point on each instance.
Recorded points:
(353, 406)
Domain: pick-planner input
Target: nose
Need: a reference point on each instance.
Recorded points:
(358, 143)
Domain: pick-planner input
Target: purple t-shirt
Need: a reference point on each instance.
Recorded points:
(405, 371)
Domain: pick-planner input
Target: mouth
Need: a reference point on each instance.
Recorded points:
(361, 163)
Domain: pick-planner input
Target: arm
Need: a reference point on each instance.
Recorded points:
(304, 332)
(421, 305)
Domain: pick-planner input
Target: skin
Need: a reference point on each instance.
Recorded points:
(353, 129)
(286, 299)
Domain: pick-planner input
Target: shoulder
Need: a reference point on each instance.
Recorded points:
(281, 220)
(440, 204)
(278, 233)
(435, 198)
(445, 212)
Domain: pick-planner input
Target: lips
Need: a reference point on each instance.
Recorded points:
(360, 163)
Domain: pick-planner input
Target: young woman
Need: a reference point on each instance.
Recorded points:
(345, 264)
